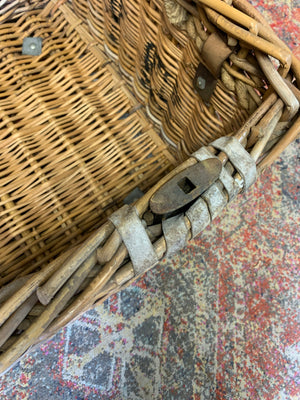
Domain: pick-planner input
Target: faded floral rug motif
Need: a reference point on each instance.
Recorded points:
(219, 321)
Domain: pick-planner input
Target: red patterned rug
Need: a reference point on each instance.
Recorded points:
(219, 321)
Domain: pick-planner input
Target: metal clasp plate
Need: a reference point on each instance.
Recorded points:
(186, 186)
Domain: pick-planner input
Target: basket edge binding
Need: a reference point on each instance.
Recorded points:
(199, 215)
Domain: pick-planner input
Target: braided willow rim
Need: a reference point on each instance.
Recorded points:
(111, 104)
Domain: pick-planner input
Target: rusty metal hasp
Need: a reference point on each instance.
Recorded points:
(186, 186)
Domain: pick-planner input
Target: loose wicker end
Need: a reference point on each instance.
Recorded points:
(125, 94)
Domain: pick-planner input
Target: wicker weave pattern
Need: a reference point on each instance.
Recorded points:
(160, 61)
(71, 141)
(75, 141)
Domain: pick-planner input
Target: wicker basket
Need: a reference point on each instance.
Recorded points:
(171, 107)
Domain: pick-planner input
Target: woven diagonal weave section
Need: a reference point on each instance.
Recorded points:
(72, 144)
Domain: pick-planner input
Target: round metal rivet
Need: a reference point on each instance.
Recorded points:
(33, 46)
(201, 82)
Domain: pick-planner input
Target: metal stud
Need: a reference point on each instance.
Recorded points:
(32, 46)
(201, 82)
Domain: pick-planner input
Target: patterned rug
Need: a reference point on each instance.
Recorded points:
(219, 321)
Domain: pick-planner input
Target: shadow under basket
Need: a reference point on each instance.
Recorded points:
(126, 127)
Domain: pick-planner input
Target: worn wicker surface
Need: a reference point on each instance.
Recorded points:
(83, 123)
(72, 142)
(160, 62)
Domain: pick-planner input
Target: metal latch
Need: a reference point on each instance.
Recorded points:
(214, 52)
(186, 186)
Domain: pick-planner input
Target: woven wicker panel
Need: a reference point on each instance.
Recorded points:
(72, 143)
(160, 62)
(112, 13)
(95, 19)
(81, 8)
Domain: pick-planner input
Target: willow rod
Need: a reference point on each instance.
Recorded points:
(30, 336)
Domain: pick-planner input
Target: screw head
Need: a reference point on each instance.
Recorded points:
(201, 82)
(33, 46)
